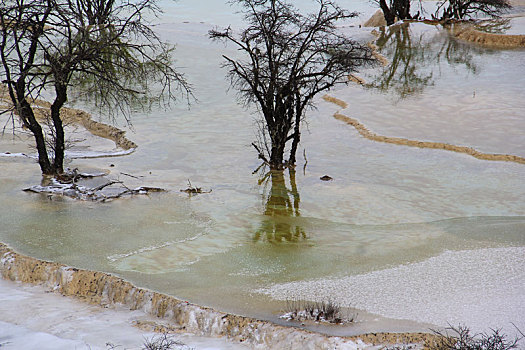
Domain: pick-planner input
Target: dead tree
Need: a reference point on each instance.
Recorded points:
(395, 9)
(289, 58)
(102, 47)
(464, 9)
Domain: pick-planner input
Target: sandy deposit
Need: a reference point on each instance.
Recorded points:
(356, 79)
(462, 31)
(363, 131)
(375, 53)
(77, 117)
(97, 288)
(503, 41)
(377, 20)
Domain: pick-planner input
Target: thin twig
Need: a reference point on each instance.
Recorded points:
(98, 188)
(258, 168)
(133, 176)
(261, 155)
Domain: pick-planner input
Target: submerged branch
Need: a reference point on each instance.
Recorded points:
(66, 186)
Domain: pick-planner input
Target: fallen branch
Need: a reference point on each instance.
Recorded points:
(194, 190)
(101, 187)
(66, 186)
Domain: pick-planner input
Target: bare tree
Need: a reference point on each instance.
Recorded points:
(102, 46)
(446, 9)
(288, 59)
(395, 9)
(463, 9)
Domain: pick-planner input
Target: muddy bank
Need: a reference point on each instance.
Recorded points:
(104, 290)
(470, 34)
(363, 131)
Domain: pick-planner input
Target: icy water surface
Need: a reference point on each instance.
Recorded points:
(388, 207)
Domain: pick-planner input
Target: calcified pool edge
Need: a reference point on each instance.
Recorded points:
(363, 131)
(77, 117)
(105, 290)
(502, 41)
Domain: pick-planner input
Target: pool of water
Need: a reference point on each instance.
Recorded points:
(388, 205)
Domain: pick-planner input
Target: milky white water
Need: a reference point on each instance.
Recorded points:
(392, 213)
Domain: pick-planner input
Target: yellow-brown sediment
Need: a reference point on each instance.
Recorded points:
(363, 131)
(470, 34)
(77, 117)
(335, 101)
(375, 53)
(355, 79)
(173, 314)
(397, 338)
(377, 20)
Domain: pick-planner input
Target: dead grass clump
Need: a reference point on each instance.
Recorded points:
(163, 341)
(325, 311)
(461, 338)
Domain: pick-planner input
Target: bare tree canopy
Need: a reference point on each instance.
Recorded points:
(446, 9)
(104, 47)
(288, 58)
(463, 9)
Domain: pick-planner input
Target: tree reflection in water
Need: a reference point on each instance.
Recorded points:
(281, 205)
(416, 58)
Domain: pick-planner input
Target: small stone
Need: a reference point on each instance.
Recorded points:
(326, 178)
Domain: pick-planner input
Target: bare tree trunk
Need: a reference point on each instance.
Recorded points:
(29, 120)
(297, 133)
(59, 142)
(277, 155)
(387, 12)
(295, 143)
(402, 9)
(17, 93)
(36, 130)
(278, 132)
(278, 139)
